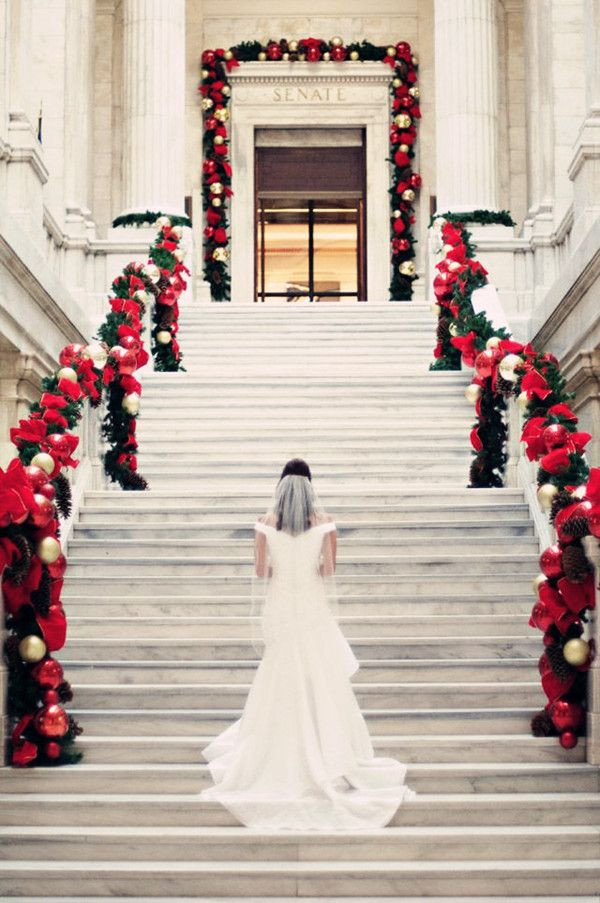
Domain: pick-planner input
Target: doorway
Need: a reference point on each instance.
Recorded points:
(310, 216)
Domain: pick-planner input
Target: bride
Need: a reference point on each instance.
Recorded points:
(300, 757)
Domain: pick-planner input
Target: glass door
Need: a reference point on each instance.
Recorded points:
(309, 248)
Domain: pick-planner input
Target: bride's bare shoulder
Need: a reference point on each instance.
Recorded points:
(321, 518)
(267, 519)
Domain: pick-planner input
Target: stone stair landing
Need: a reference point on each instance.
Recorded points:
(435, 587)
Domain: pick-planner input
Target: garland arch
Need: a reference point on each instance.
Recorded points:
(215, 89)
(34, 491)
(567, 488)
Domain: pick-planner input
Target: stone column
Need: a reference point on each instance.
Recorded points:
(153, 106)
(466, 105)
(584, 170)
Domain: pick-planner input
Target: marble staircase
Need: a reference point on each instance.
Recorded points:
(435, 586)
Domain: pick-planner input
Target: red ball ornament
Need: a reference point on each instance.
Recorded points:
(544, 663)
(338, 54)
(274, 51)
(403, 244)
(209, 167)
(50, 697)
(555, 436)
(51, 721)
(209, 58)
(130, 343)
(313, 54)
(486, 361)
(48, 673)
(566, 716)
(69, 353)
(52, 750)
(593, 520)
(57, 568)
(59, 443)
(541, 617)
(568, 739)
(210, 123)
(415, 180)
(209, 231)
(126, 360)
(551, 561)
(48, 491)
(44, 513)
(399, 226)
(36, 477)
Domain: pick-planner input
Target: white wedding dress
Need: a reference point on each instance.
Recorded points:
(300, 757)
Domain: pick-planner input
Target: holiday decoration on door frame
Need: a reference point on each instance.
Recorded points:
(215, 89)
(567, 488)
(34, 491)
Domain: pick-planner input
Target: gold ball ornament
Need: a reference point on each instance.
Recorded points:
(220, 255)
(97, 353)
(391, 51)
(523, 401)
(67, 373)
(152, 272)
(414, 60)
(225, 90)
(163, 337)
(285, 57)
(216, 188)
(537, 582)
(446, 249)
(44, 461)
(222, 115)
(473, 393)
(414, 92)
(207, 103)
(218, 139)
(397, 82)
(262, 56)
(580, 492)
(453, 329)
(216, 202)
(336, 41)
(507, 365)
(301, 57)
(228, 54)
(454, 265)
(141, 295)
(435, 309)
(576, 652)
(404, 148)
(48, 550)
(492, 342)
(179, 254)
(293, 45)
(326, 56)
(205, 73)
(545, 495)
(32, 648)
(396, 214)
(407, 268)
(131, 402)
(178, 231)
(408, 195)
(403, 120)
(163, 221)
(354, 55)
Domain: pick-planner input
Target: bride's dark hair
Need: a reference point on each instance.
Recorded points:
(296, 466)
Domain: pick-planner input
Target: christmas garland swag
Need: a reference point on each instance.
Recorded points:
(216, 169)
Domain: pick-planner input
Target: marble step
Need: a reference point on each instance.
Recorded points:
(337, 899)
(473, 778)
(418, 748)
(298, 879)
(181, 810)
(190, 470)
(294, 428)
(401, 565)
(407, 587)
(430, 671)
(474, 605)
(223, 626)
(197, 844)
(409, 648)
(350, 469)
(154, 694)
(381, 722)
(196, 542)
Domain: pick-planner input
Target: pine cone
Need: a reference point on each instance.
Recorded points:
(443, 329)
(20, 568)
(559, 664)
(40, 597)
(541, 725)
(576, 526)
(63, 495)
(561, 500)
(575, 563)
(134, 480)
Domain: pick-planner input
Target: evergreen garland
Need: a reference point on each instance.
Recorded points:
(149, 218)
(215, 90)
(480, 217)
